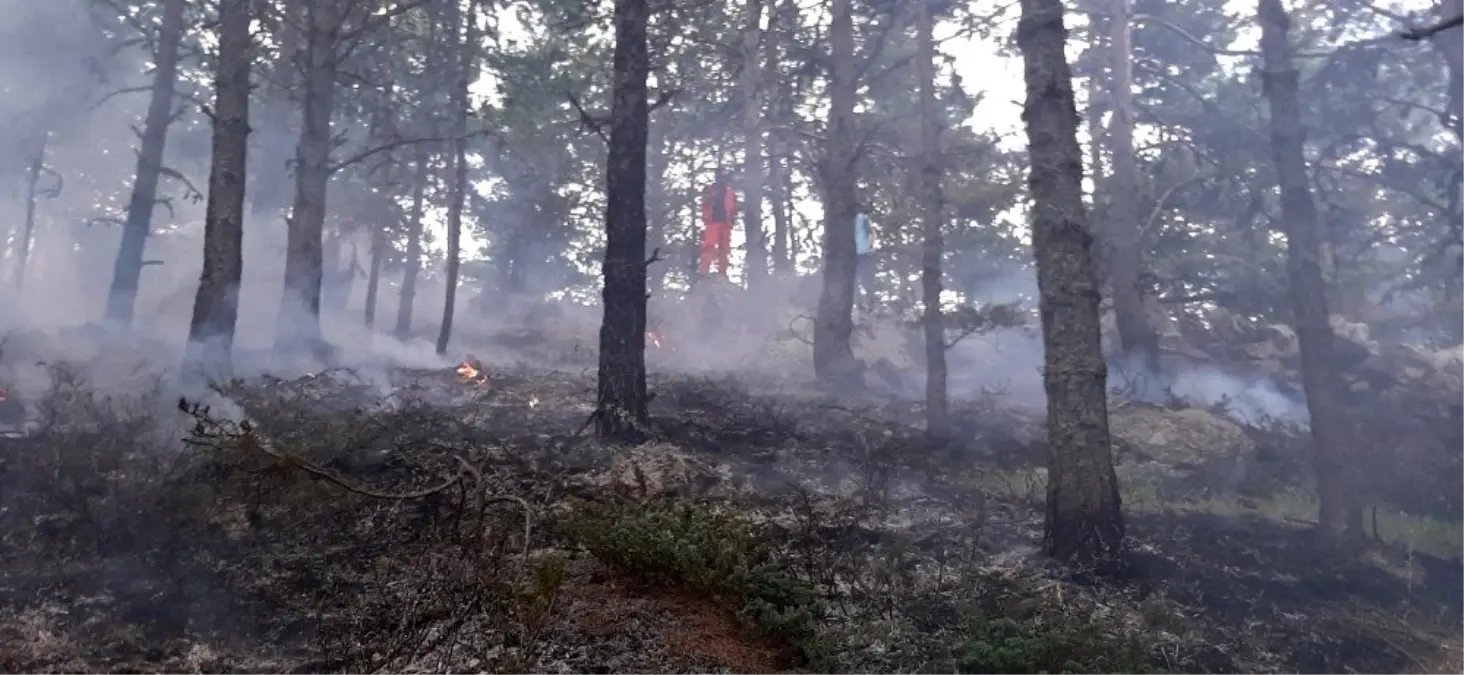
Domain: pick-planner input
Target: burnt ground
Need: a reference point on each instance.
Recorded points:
(764, 531)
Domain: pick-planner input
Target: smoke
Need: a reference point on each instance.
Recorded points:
(62, 81)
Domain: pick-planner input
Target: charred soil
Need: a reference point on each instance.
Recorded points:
(421, 521)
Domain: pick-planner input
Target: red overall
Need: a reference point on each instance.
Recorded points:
(717, 238)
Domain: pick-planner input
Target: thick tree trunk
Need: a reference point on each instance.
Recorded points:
(620, 407)
(32, 193)
(268, 188)
(413, 263)
(778, 180)
(298, 326)
(937, 414)
(1450, 45)
(752, 153)
(1125, 249)
(1084, 519)
(659, 208)
(1095, 118)
(127, 272)
(833, 359)
(216, 303)
(466, 48)
(1319, 374)
(373, 272)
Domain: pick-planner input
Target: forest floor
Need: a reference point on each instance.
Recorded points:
(768, 529)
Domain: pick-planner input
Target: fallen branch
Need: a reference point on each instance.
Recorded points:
(243, 436)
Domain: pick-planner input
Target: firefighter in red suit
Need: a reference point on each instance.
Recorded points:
(718, 210)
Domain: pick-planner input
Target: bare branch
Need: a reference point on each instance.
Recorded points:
(590, 122)
(1417, 34)
(114, 94)
(400, 143)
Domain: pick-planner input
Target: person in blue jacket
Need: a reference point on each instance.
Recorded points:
(864, 263)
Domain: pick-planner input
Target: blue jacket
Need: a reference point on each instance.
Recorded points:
(861, 234)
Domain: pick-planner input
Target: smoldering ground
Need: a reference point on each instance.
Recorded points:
(827, 525)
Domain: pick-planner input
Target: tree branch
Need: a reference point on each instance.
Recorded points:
(590, 122)
(1417, 34)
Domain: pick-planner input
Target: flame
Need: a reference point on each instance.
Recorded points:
(533, 401)
(471, 371)
(4, 394)
(655, 339)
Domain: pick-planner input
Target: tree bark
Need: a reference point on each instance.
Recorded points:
(833, 359)
(752, 152)
(267, 186)
(659, 209)
(778, 182)
(937, 413)
(466, 48)
(1084, 518)
(32, 193)
(1449, 44)
(216, 303)
(621, 400)
(298, 325)
(1320, 377)
(1095, 118)
(373, 272)
(127, 272)
(413, 263)
(1138, 338)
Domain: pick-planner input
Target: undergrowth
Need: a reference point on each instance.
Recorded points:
(705, 550)
(701, 549)
(1061, 644)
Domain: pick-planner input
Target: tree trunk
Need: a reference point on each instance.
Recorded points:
(779, 181)
(1125, 257)
(413, 263)
(298, 325)
(752, 153)
(216, 303)
(127, 272)
(659, 210)
(1320, 377)
(1095, 116)
(620, 407)
(833, 360)
(466, 48)
(267, 185)
(28, 230)
(1451, 46)
(1084, 519)
(373, 272)
(937, 414)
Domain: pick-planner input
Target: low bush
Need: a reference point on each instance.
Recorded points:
(704, 550)
(1046, 645)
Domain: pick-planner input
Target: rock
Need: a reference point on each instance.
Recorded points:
(1282, 339)
(658, 469)
(1226, 327)
(1177, 438)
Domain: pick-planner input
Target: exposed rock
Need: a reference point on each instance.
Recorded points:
(1182, 438)
(658, 469)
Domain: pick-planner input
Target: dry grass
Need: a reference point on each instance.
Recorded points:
(760, 533)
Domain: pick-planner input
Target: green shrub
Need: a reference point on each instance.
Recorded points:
(1060, 645)
(702, 549)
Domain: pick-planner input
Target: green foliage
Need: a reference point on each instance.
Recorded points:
(1049, 645)
(704, 550)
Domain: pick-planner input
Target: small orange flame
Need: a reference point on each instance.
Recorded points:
(471, 371)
